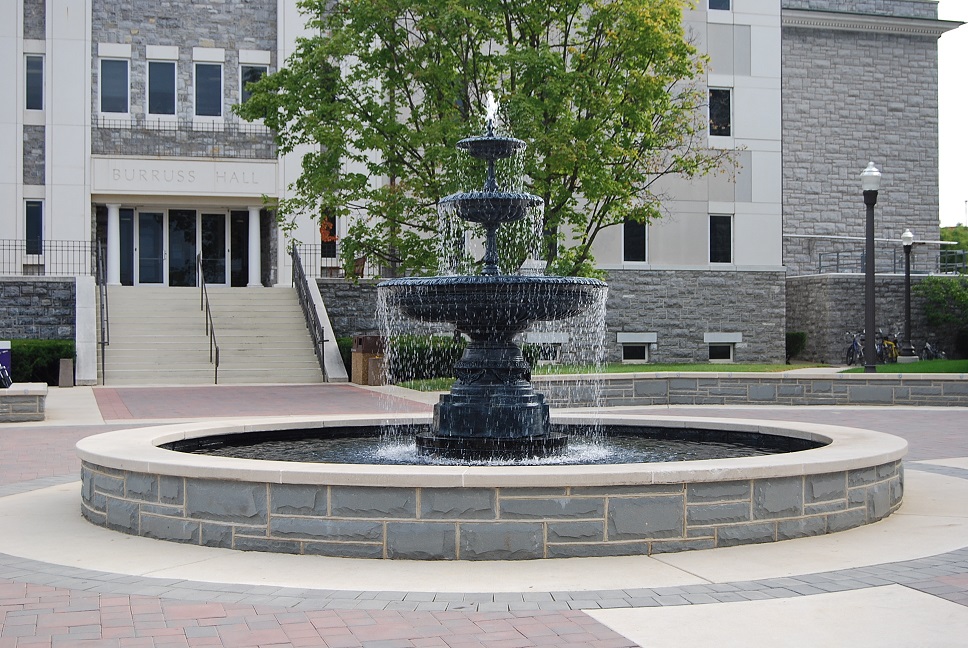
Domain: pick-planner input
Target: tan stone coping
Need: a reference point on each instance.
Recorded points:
(136, 450)
(25, 389)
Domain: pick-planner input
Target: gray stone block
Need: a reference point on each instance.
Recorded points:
(846, 520)
(645, 518)
(871, 395)
(776, 498)
(886, 470)
(225, 501)
(123, 515)
(108, 485)
(596, 549)
(801, 528)
(171, 490)
(671, 546)
(141, 487)
(308, 528)
(897, 491)
(549, 491)
(825, 507)
(861, 477)
(651, 388)
(878, 501)
(298, 499)
(501, 540)
(683, 384)
(457, 503)
(92, 516)
(343, 549)
(762, 392)
(639, 489)
(823, 488)
(576, 531)
(216, 535)
(173, 529)
(422, 540)
(370, 502)
(790, 391)
(714, 514)
(248, 543)
(718, 491)
(162, 509)
(857, 497)
(728, 536)
(552, 508)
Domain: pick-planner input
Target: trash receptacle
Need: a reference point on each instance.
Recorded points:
(365, 348)
(6, 368)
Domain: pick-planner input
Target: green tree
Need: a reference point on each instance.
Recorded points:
(945, 301)
(608, 93)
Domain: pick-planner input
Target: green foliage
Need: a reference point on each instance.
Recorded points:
(345, 345)
(415, 357)
(922, 366)
(796, 341)
(609, 96)
(39, 360)
(958, 234)
(945, 301)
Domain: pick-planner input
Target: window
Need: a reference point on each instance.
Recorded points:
(250, 74)
(722, 5)
(114, 86)
(34, 226)
(327, 236)
(635, 353)
(161, 87)
(720, 352)
(720, 239)
(634, 241)
(208, 89)
(720, 116)
(35, 82)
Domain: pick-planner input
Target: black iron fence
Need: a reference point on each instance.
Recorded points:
(230, 138)
(323, 260)
(923, 261)
(36, 257)
(303, 290)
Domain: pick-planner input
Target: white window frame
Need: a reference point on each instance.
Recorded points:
(43, 79)
(208, 56)
(242, 82)
(732, 239)
(100, 88)
(646, 340)
(160, 116)
(727, 345)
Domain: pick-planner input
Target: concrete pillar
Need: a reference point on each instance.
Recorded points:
(114, 245)
(255, 248)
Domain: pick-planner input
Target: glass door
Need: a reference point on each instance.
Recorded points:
(182, 247)
(213, 248)
(240, 248)
(151, 248)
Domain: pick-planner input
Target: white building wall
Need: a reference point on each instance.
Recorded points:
(11, 118)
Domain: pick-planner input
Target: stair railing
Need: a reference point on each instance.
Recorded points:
(205, 305)
(103, 313)
(301, 284)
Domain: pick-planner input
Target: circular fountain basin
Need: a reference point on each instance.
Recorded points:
(132, 485)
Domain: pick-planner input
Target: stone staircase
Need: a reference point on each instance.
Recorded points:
(158, 337)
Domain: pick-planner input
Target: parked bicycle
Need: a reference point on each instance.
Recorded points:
(855, 348)
(887, 350)
(931, 352)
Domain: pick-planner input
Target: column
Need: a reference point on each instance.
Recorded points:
(114, 245)
(255, 248)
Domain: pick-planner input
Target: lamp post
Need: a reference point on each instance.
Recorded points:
(907, 349)
(870, 181)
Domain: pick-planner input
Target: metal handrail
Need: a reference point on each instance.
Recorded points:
(301, 283)
(104, 320)
(214, 353)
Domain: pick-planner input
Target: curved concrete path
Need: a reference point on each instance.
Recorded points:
(63, 582)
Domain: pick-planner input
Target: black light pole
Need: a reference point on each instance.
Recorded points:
(870, 182)
(907, 349)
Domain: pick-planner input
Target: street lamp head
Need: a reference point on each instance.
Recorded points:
(907, 238)
(870, 179)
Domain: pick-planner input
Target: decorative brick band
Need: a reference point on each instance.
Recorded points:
(474, 513)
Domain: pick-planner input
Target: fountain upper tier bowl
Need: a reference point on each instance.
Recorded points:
(505, 302)
(492, 208)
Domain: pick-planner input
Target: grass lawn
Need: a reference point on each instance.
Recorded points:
(922, 366)
(443, 384)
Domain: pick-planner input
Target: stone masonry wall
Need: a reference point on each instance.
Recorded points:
(38, 308)
(848, 98)
(34, 155)
(825, 307)
(900, 8)
(351, 306)
(229, 24)
(35, 19)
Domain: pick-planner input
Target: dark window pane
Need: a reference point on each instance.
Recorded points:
(114, 86)
(161, 88)
(208, 89)
(719, 112)
(251, 74)
(35, 83)
(634, 241)
(720, 239)
(719, 4)
(35, 227)
(633, 352)
(720, 352)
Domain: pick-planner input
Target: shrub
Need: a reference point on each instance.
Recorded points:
(796, 342)
(39, 360)
(345, 345)
(415, 357)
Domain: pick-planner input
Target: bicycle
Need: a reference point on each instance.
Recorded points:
(930, 352)
(855, 348)
(887, 350)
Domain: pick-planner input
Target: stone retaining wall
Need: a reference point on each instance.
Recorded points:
(486, 523)
(23, 402)
(37, 308)
(756, 389)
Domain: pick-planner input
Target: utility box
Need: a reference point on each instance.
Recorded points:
(365, 348)
(6, 367)
(375, 375)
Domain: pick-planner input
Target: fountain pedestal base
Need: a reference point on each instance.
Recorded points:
(486, 448)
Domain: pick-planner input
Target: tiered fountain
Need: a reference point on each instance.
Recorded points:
(492, 411)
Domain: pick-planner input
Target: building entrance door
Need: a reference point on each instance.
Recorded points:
(239, 248)
(214, 248)
(151, 248)
(182, 247)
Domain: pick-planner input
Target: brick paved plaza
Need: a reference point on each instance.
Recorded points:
(63, 582)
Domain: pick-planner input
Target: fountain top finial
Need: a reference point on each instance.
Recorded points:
(490, 111)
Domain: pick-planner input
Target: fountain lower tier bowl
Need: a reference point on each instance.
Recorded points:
(503, 302)
(131, 484)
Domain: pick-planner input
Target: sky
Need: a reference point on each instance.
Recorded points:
(952, 109)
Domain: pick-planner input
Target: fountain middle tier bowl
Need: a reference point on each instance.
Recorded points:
(508, 302)
(492, 207)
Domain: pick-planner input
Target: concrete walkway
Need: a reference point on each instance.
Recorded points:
(64, 582)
